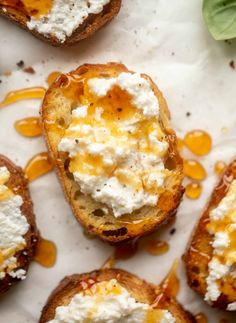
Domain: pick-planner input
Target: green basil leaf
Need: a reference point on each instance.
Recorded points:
(220, 17)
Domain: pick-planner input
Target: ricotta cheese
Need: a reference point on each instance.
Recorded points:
(65, 17)
(107, 302)
(13, 226)
(138, 87)
(113, 159)
(222, 226)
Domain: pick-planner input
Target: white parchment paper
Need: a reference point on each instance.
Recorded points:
(167, 40)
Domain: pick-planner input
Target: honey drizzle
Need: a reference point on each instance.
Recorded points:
(52, 77)
(198, 142)
(23, 94)
(194, 170)
(28, 127)
(157, 247)
(193, 190)
(29, 7)
(171, 283)
(37, 166)
(201, 318)
(46, 253)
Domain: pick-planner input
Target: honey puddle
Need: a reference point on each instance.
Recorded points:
(28, 127)
(46, 253)
(156, 247)
(24, 94)
(193, 190)
(194, 170)
(171, 283)
(198, 142)
(219, 167)
(37, 166)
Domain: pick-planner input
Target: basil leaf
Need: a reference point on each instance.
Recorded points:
(220, 17)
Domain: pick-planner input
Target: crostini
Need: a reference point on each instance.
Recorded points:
(111, 295)
(211, 256)
(109, 135)
(18, 232)
(60, 22)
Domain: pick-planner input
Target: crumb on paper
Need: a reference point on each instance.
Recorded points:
(172, 231)
(29, 70)
(224, 130)
(188, 114)
(232, 64)
(20, 64)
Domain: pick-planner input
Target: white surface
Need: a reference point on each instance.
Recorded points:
(169, 42)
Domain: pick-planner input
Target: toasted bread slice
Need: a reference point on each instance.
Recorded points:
(18, 184)
(139, 289)
(200, 250)
(21, 15)
(56, 117)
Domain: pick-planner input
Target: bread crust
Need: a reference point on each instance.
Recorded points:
(91, 24)
(141, 290)
(199, 251)
(19, 184)
(126, 227)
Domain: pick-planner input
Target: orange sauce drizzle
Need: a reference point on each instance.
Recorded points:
(52, 77)
(193, 190)
(46, 253)
(194, 170)
(24, 94)
(201, 318)
(219, 167)
(28, 127)
(34, 8)
(39, 165)
(157, 247)
(171, 283)
(198, 142)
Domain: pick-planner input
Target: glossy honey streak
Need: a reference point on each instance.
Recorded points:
(198, 142)
(46, 253)
(157, 247)
(36, 8)
(171, 283)
(37, 166)
(201, 318)
(24, 94)
(194, 170)
(193, 190)
(28, 127)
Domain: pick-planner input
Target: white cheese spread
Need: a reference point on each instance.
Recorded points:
(222, 227)
(13, 227)
(109, 302)
(65, 17)
(118, 159)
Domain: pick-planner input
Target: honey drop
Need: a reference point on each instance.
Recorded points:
(24, 94)
(28, 127)
(157, 247)
(201, 318)
(219, 167)
(194, 170)
(126, 250)
(171, 283)
(193, 190)
(180, 144)
(46, 253)
(198, 142)
(39, 165)
(52, 77)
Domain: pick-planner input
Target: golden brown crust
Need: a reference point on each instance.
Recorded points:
(139, 289)
(93, 23)
(19, 184)
(199, 252)
(107, 227)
